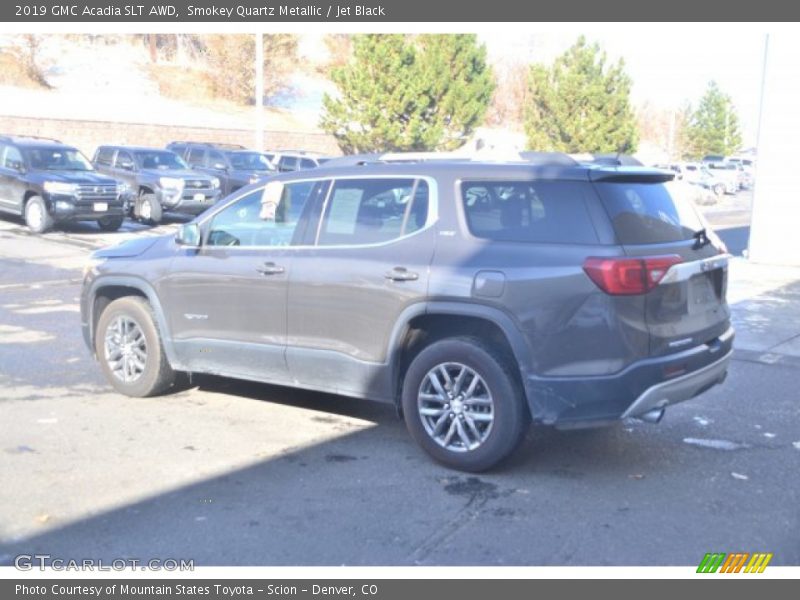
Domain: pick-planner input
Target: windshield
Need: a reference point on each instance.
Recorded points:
(250, 161)
(159, 159)
(57, 159)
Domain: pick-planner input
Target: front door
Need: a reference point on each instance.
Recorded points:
(226, 301)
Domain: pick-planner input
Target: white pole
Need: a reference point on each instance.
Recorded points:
(259, 58)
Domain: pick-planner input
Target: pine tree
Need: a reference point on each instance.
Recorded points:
(714, 126)
(409, 93)
(581, 104)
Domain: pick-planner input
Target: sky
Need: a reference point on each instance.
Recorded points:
(669, 64)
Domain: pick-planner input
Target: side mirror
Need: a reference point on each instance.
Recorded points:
(188, 235)
(126, 166)
(219, 166)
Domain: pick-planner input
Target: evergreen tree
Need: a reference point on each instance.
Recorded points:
(581, 104)
(714, 126)
(409, 93)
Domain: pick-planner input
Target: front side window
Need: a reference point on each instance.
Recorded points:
(368, 211)
(124, 160)
(287, 163)
(216, 160)
(196, 157)
(105, 156)
(528, 211)
(260, 218)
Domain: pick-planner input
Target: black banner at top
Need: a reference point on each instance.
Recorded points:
(393, 11)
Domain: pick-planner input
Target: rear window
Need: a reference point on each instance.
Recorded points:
(649, 213)
(529, 211)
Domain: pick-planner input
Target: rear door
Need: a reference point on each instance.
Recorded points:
(655, 218)
(366, 261)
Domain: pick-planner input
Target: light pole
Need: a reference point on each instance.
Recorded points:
(259, 133)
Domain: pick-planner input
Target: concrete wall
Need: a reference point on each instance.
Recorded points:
(775, 230)
(87, 135)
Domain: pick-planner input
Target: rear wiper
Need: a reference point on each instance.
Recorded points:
(700, 239)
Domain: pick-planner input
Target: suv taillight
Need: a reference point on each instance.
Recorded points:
(628, 276)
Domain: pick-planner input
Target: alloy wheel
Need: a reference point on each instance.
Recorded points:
(456, 407)
(125, 349)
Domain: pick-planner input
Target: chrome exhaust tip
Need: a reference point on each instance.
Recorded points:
(653, 416)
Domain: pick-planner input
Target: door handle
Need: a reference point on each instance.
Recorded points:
(401, 274)
(270, 268)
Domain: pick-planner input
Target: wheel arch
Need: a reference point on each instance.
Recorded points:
(105, 290)
(423, 324)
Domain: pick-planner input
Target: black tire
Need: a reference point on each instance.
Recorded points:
(110, 223)
(510, 414)
(719, 189)
(157, 376)
(148, 209)
(37, 218)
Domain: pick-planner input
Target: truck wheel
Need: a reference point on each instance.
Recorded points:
(37, 218)
(128, 345)
(463, 405)
(110, 223)
(148, 209)
(719, 189)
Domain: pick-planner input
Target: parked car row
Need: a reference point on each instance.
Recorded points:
(47, 181)
(722, 176)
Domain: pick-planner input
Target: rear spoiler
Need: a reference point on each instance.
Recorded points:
(631, 174)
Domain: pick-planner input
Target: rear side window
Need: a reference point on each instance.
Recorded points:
(649, 213)
(369, 211)
(529, 211)
(306, 163)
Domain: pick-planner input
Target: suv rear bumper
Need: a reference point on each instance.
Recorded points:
(648, 384)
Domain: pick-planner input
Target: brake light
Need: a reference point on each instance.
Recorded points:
(620, 276)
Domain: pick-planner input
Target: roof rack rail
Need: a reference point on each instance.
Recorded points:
(222, 145)
(548, 158)
(534, 158)
(11, 137)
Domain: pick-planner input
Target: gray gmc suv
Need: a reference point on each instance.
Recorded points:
(160, 181)
(475, 296)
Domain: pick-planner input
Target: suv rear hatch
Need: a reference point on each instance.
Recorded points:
(654, 219)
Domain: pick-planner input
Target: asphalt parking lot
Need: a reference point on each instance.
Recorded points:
(231, 473)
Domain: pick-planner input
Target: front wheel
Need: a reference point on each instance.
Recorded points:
(37, 218)
(719, 189)
(110, 223)
(463, 405)
(148, 209)
(130, 351)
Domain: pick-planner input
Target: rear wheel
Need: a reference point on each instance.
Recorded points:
(130, 351)
(463, 405)
(110, 223)
(37, 218)
(148, 209)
